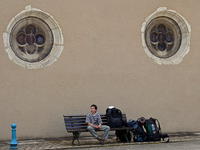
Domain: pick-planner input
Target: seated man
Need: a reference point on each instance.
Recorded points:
(93, 119)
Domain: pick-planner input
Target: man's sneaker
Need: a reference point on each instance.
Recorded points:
(99, 139)
(102, 141)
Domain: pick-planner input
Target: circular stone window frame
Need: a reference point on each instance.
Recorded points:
(185, 39)
(58, 43)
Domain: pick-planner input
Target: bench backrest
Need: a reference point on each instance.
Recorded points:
(77, 122)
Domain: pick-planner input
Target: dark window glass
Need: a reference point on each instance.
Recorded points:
(154, 37)
(30, 39)
(161, 46)
(161, 37)
(30, 29)
(169, 37)
(161, 28)
(40, 39)
(21, 38)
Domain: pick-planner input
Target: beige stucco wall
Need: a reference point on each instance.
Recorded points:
(103, 62)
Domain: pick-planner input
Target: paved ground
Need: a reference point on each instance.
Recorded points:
(188, 145)
(187, 141)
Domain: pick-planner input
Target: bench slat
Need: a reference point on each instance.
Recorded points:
(85, 126)
(85, 129)
(84, 116)
(79, 124)
(78, 127)
(77, 121)
(73, 116)
(79, 118)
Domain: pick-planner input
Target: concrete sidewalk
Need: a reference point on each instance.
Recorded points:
(88, 142)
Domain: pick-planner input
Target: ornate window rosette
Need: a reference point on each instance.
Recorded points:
(33, 39)
(166, 36)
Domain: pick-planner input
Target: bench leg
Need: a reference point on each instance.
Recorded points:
(76, 136)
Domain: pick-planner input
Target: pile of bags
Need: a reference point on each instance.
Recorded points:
(142, 130)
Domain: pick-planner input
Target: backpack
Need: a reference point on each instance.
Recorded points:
(123, 136)
(139, 135)
(153, 130)
(114, 117)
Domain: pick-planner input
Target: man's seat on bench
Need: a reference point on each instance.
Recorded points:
(76, 124)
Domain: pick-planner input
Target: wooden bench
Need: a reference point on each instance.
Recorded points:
(76, 124)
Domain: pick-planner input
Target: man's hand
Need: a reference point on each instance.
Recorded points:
(98, 126)
(94, 126)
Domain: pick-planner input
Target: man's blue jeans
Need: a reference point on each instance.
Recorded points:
(104, 128)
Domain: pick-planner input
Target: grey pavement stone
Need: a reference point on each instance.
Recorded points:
(188, 145)
(185, 141)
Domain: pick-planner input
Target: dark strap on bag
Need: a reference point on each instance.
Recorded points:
(164, 137)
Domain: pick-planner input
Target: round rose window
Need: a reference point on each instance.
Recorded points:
(166, 36)
(31, 39)
(163, 37)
